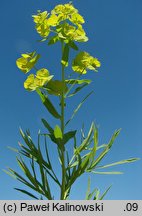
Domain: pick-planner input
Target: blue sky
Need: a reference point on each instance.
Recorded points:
(115, 37)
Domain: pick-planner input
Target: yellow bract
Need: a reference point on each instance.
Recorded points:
(43, 24)
(53, 20)
(40, 17)
(80, 35)
(83, 62)
(69, 32)
(30, 84)
(43, 29)
(77, 19)
(67, 11)
(27, 61)
(33, 82)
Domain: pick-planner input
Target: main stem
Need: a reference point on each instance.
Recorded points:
(62, 129)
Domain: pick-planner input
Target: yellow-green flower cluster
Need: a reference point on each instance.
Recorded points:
(69, 33)
(46, 22)
(25, 64)
(37, 81)
(27, 61)
(83, 62)
(67, 11)
(43, 24)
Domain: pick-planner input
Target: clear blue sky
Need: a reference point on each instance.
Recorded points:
(115, 37)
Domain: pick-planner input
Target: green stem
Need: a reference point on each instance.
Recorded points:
(62, 95)
(62, 129)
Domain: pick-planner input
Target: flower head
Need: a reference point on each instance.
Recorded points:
(40, 17)
(33, 82)
(68, 11)
(27, 61)
(45, 22)
(65, 10)
(83, 62)
(69, 32)
(42, 26)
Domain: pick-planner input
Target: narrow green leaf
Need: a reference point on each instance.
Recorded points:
(105, 151)
(73, 164)
(82, 133)
(79, 160)
(99, 147)
(58, 133)
(60, 155)
(28, 141)
(65, 56)
(84, 164)
(47, 154)
(84, 144)
(79, 82)
(41, 166)
(102, 146)
(75, 142)
(54, 177)
(69, 135)
(92, 193)
(106, 191)
(10, 173)
(107, 173)
(27, 173)
(68, 161)
(89, 156)
(33, 168)
(13, 149)
(114, 136)
(76, 172)
(73, 82)
(47, 192)
(94, 149)
(47, 103)
(28, 152)
(96, 137)
(76, 162)
(44, 39)
(100, 157)
(32, 152)
(27, 193)
(24, 181)
(88, 189)
(78, 107)
(96, 197)
(45, 185)
(25, 138)
(130, 160)
(78, 89)
(46, 124)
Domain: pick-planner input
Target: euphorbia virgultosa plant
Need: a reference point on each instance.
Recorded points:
(62, 25)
